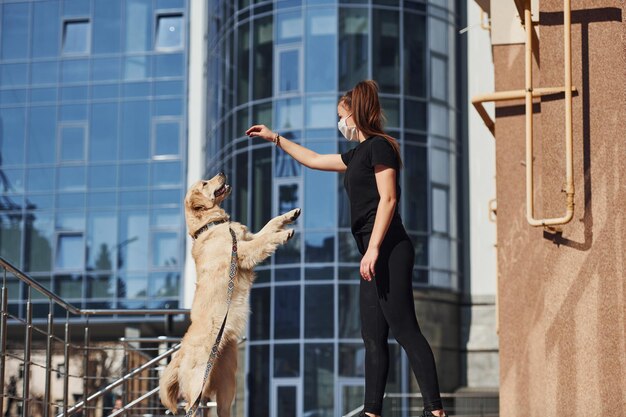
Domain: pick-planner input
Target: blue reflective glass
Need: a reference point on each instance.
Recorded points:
(289, 71)
(166, 173)
(75, 7)
(137, 67)
(12, 130)
(102, 176)
(70, 247)
(11, 233)
(168, 107)
(74, 93)
(133, 286)
(164, 284)
(44, 72)
(72, 143)
(138, 29)
(168, 88)
(321, 112)
(106, 26)
(416, 180)
(141, 89)
(169, 32)
(414, 55)
(167, 138)
(134, 198)
(39, 201)
(288, 114)
(353, 43)
(169, 65)
(107, 91)
(289, 26)
(43, 95)
(39, 242)
(70, 221)
(440, 252)
(135, 143)
(438, 123)
(319, 311)
(415, 114)
(101, 286)
(286, 364)
(260, 302)
(170, 4)
(103, 132)
(349, 320)
(74, 71)
(12, 181)
(70, 200)
(41, 137)
(73, 112)
(168, 197)
(13, 75)
(134, 175)
(440, 210)
(287, 312)
(133, 240)
(101, 199)
(76, 37)
(166, 217)
(45, 29)
(165, 249)
(106, 69)
(12, 97)
(321, 50)
(263, 57)
(320, 196)
(15, 24)
(386, 50)
(71, 178)
(319, 246)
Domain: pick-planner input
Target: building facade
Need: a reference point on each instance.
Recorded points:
(93, 104)
(285, 64)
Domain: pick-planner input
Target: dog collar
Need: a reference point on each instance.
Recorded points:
(206, 227)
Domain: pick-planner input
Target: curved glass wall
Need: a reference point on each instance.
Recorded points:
(284, 64)
(92, 147)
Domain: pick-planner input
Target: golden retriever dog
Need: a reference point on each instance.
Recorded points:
(208, 225)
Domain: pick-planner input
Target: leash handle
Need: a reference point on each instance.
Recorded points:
(232, 272)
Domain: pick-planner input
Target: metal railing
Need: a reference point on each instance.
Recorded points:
(458, 404)
(56, 364)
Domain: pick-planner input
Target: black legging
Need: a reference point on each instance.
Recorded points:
(387, 302)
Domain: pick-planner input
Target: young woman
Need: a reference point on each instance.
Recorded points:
(386, 292)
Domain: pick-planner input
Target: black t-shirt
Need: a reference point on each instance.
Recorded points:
(360, 181)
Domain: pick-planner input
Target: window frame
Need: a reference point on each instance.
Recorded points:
(183, 38)
(63, 34)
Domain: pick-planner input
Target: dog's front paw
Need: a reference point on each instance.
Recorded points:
(285, 235)
(293, 215)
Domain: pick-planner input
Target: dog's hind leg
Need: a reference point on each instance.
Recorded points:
(224, 378)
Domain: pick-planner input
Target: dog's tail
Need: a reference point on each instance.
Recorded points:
(168, 384)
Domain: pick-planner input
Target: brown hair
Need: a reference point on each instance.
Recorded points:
(363, 102)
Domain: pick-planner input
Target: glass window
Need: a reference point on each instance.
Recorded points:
(72, 143)
(75, 71)
(164, 284)
(41, 135)
(12, 129)
(348, 250)
(71, 178)
(288, 114)
(416, 174)
(76, 37)
(132, 286)
(439, 252)
(102, 176)
(69, 251)
(263, 57)
(134, 175)
(11, 237)
(287, 312)
(260, 320)
(138, 28)
(289, 26)
(169, 34)
(166, 173)
(438, 35)
(261, 187)
(288, 74)
(349, 319)
(69, 286)
(386, 50)
(101, 286)
(391, 110)
(106, 26)
(353, 46)
(45, 29)
(320, 246)
(319, 381)
(101, 242)
(438, 122)
(40, 179)
(103, 132)
(439, 78)
(440, 169)
(15, 24)
(351, 359)
(286, 166)
(319, 311)
(12, 182)
(321, 112)
(165, 247)
(169, 65)
(133, 240)
(168, 107)
(414, 55)
(44, 72)
(440, 210)
(14, 75)
(415, 114)
(242, 190)
(39, 234)
(320, 201)
(243, 63)
(321, 50)
(319, 273)
(135, 130)
(166, 138)
(259, 380)
(137, 67)
(286, 360)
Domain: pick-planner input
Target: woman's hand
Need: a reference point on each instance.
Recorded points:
(368, 264)
(261, 131)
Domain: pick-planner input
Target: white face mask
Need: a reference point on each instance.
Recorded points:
(348, 132)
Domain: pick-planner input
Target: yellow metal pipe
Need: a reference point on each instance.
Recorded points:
(569, 165)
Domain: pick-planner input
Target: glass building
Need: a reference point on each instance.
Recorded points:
(93, 148)
(285, 63)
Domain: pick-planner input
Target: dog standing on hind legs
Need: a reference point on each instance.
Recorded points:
(209, 226)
